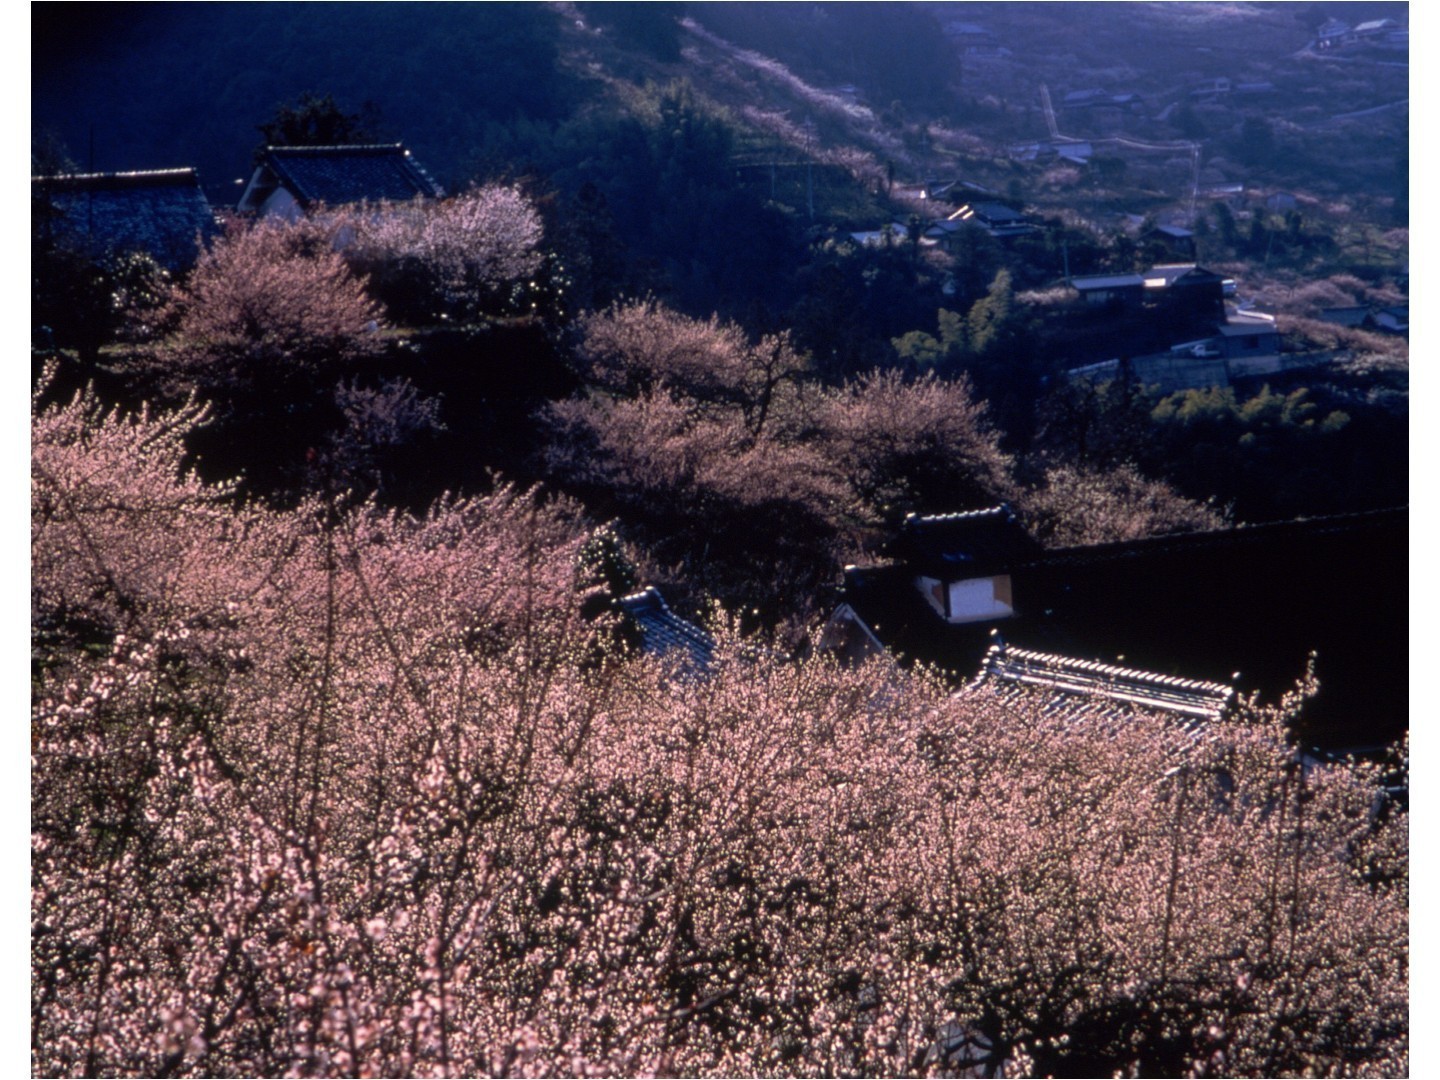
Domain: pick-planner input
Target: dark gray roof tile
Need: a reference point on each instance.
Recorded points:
(665, 634)
(162, 212)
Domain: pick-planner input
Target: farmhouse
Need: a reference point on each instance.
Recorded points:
(1170, 241)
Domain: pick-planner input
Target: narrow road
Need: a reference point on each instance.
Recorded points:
(1363, 112)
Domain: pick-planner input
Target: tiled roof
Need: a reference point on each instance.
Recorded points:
(1258, 599)
(991, 213)
(663, 633)
(1242, 327)
(161, 212)
(1091, 681)
(976, 541)
(337, 175)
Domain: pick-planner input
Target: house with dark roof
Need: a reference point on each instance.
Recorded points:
(161, 212)
(1074, 151)
(1170, 241)
(1256, 600)
(1245, 334)
(1394, 320)
(1354, 316)
(290, 181)
(999, 220)
(960, 561)
(1332, 34)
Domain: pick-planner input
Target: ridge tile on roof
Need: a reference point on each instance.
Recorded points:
(1088, 680)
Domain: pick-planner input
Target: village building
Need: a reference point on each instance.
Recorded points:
(997, 219)
(1354, 316)
(1170, 242)
(160, 212)
(1103, 290)
(1088, 684)
(1244, 608)
(1332, 34)
(1393, 320)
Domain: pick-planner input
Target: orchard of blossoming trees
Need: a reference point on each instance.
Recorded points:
(336, 790)
(321, 785)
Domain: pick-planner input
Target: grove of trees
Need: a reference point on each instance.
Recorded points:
(335, 789)
(342, 762)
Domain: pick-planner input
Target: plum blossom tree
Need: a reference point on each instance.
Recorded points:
(275, 332)
(917, 444)
(752, 517)
(456, 258)
(634, 348)
(269, 305)
(1100, 506)
(690, 428)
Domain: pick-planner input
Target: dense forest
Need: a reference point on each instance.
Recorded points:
(344, 757)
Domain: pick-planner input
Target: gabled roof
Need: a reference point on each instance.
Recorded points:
(1107, 281)
(1175, 232)
(162, 212)
(337, 175)
(990, 213)
(665, 634)
(1094, 682)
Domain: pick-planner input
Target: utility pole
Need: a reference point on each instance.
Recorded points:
(809, 166)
